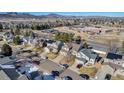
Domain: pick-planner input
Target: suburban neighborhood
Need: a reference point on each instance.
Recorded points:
(58, 47)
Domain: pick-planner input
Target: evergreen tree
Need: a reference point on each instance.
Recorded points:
(1, 27)
(6, 50)
(16, 40)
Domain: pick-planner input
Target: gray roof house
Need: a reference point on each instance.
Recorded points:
(56, 46)
(5, 60)
(86, 56)
(9, 72)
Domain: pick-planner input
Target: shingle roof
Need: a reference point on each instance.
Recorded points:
(5, 60)
(71, 74)
(106, 69)
(76, 47)
(23, 77)
(89, 53)
(11, 73)
(3, 75)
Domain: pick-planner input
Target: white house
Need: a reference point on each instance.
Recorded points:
(86, 56)
(64, 50)
(56, 46)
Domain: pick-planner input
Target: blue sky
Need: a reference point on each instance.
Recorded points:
(113, 14)
(117, 14)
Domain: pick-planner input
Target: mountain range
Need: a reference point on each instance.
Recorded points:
(28, 16)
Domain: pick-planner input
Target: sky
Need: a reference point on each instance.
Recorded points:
(111, 14)
(116, 14)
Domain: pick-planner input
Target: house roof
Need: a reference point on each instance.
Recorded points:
(89, 53)
(71, 74)
(48, 77)
(22, 77)
(76, 47)
(12, 73)
(5, 60)
(3, 75)
(49, 66)
(113, 56)
(106, 69)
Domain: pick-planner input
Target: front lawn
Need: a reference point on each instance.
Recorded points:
(118, 77)
(52, 55)
(90, 71)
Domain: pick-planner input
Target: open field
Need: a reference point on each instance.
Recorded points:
(106, 38)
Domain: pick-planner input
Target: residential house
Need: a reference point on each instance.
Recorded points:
(27, 68)
(70, 75)
(8, 36)
(22, 77)
(114, 58)
(35, 75)
(76, 48)
(24, 40)
(5, 60)
(86, 56)
(73, 47)
(30, 71)
(105, 72)
(64, 50)
(10, 71)
(33, 42)
(56, 46)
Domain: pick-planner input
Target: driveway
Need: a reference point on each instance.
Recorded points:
(58, 59)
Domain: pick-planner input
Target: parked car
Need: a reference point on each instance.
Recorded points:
(65, 66)
(85, 76)
(36, 62)
(1, 56)
(108, 77)
(68, 78)
(55, 73)
(79, 66)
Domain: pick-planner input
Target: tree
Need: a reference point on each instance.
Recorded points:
(44, 44)
(78, 39)
(1, 27)
(26, 34)
(6, 50)
(16, 31)
(85, 45)
(32, 34)
(64, 37)
(16, 40)
(12, 31)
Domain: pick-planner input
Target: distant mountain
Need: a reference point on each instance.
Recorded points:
(15, 15)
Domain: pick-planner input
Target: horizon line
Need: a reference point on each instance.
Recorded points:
(106, 14)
